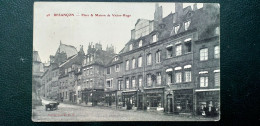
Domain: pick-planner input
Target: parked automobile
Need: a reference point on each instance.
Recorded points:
(52, 106)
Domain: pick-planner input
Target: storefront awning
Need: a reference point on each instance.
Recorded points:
(169, 46)
(169, 70)
(201, 90)
(187, 66)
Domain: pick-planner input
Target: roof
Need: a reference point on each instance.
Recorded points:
(68, 49)
(69, 59)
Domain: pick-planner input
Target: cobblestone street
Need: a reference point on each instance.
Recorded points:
(67, 112)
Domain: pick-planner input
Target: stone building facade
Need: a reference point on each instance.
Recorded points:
(93, 64)
(160, 70)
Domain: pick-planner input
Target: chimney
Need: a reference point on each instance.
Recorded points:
(133, 34)
(179, 9)
(158, 12)
(195, 7)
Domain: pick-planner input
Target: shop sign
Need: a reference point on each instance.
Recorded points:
(129, 93)
(183, 85)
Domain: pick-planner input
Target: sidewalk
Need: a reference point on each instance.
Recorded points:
(151, 112)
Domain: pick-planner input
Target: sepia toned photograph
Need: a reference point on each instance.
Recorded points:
(118, 61)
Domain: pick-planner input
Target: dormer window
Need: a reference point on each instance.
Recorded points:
(130, 47)
(140, 44)
(187, 25)
(117, 67)
(154, 38)
(176, 29)
(116, 58)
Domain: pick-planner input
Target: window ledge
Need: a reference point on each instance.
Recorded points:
(204, 60)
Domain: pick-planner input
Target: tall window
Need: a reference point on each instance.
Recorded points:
(66, 71)
(187, 76)
(169, 51)
(149, 59)
(91, 83)
(217, 79)
(133, 63)
(178, 50)
(186, 25)
(120, 85)
(159, 78)
(158, 57)
(91, 70)
(149, 80)
(178, 77)
(133, 82)
(203, 81)
(187, 45)
(87, 60)
(216, 52)
(140, 44)
(169, 78)
(130, 47)
(154, 38)
(117, 67)
(109, 83)
(90, 58)
(176, 28)
(140, 81)
(87, 71)
(108, 70)
(140, 59)
(84, 62)
(204, 54)
(127, 65)
(127, 83)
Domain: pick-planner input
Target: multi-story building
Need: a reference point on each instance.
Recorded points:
(68, 78)
(114, 81)
(158, 62)
(37, 72)
(92, 86)
(207, 72)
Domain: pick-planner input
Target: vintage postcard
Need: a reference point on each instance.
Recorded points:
(134, 61)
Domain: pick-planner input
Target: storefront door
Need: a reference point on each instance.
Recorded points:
(140, 102)
(169, 103)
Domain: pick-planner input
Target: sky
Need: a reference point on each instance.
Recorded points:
(49, 30)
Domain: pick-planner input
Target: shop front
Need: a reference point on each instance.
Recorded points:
(93, 97)
(129, 99)
(154, 99)
(208, 102)
(183, 101)
(110, 98)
